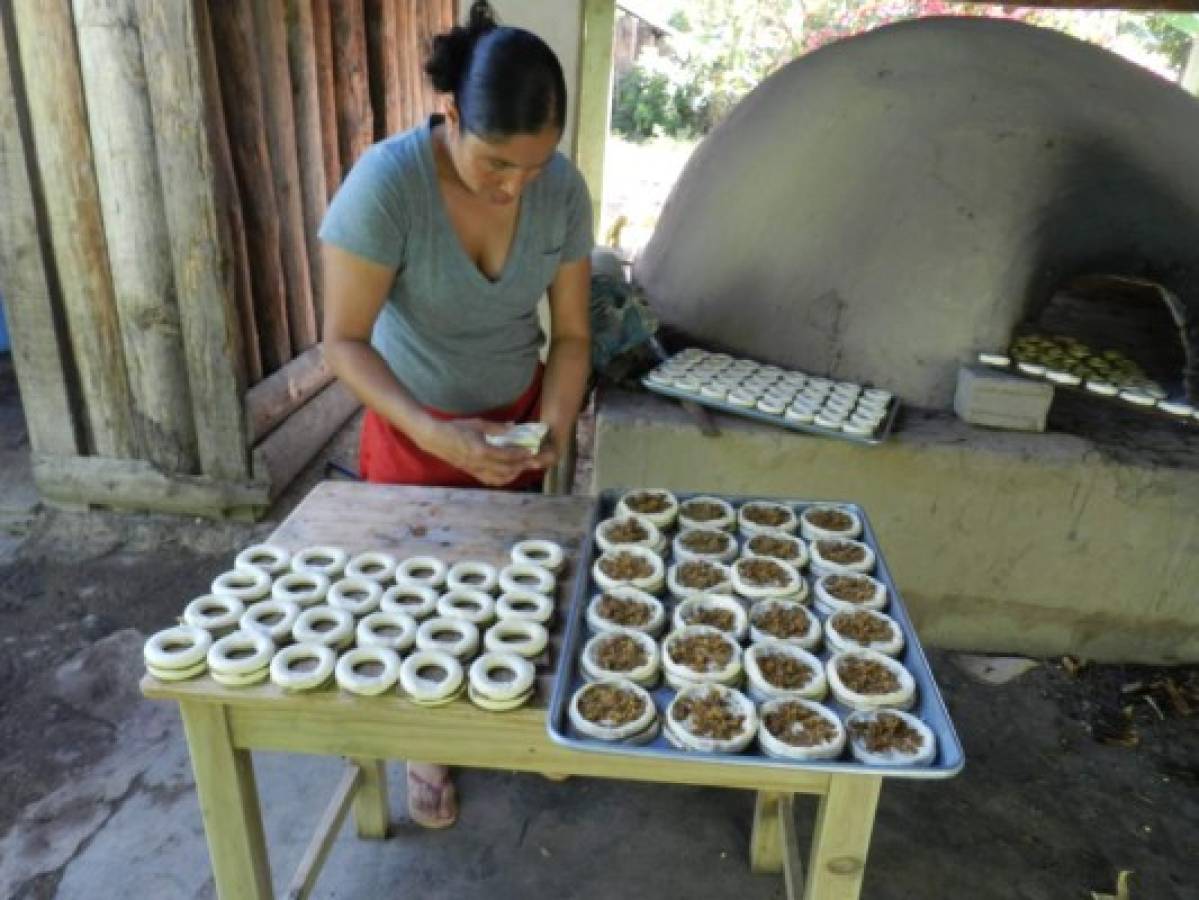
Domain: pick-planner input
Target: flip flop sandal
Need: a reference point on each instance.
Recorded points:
(419, 816)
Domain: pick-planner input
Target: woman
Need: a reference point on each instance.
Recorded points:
(436, 250)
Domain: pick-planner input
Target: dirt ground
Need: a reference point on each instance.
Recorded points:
(1074, 772)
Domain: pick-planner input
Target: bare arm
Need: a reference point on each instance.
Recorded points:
(355, 291)
(568, 366)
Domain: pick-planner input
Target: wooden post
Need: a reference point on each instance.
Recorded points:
(270, 402)
(322, 33)
(355, 121)
(766, 838)
(595, 99)
(271, 29)
(228, 197)
(46, 40)
(371, 809)
(841, 840)
(427, 23)
(241, 93)
(139, 250)
(201, 244)
(407, 68)
(384, 55)
(301, 54)
(33, 304)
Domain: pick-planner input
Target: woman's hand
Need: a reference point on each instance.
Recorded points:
(461, 443)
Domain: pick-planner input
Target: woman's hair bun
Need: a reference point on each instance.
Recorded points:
(451, 52)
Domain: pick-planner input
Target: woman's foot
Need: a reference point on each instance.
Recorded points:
(432, 800)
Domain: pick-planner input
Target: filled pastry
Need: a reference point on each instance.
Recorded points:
(626, 607)
(863, 679)
(777, 668)
(784, 620)
(615, 710)
(711, 718)
(699, 654)
(890, 738)
(791, 728)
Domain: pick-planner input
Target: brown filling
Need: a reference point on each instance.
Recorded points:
(862, 627)
(611, 706)
(799, 726)
(769, 516)
(866, 676)
(849, 588)
(830, 519)
(626, 531)
(621, 611)
(722, 619)
(703, 511)
(626, 567)
(702, 652)
(784, 672)
(779, 548)
(887, 731)
(648, 503)
(709, 716)
(620, 654)
(763, 572)
(841, 552)
(705, 541)
(700, 574)
(783, 621)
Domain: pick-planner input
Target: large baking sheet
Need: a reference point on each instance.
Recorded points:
(757, 415)
(930, 706)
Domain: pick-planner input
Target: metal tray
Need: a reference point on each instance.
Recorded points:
(759, 416)
(929, 705)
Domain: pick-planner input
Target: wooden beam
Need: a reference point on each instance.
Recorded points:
(383, 51)
(33, 305)
(305, 93)
(283, 454)
(355, 120)
(595, 99)
(322, 34)
(46, 39)
(276, 397)
(428, 22)
(133, 484)
(234, 40)
(271, 29)
(198, 223)
(135, 230)
(309, 869)
(410, 64)
(228, 197)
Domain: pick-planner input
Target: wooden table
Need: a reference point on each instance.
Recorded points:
(224, 725)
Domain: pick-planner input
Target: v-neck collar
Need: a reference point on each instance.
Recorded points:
(444, 222)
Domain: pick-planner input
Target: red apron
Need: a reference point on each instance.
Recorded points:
(387, 456)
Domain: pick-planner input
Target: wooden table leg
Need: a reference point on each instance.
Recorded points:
(371, 811)
(766, 840)
(842, 837)
(229, 804)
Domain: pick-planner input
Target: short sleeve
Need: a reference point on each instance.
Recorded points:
(579, 237)
(369, 214)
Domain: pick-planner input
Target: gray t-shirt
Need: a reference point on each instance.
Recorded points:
(457, 340)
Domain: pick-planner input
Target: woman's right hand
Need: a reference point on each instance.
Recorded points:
(461, 443)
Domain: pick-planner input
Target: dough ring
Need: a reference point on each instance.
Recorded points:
(776, 746)
(380, 567)
(761, 689)
(454, 636)
(681, 676)
(338, 633)
(214, 613)
(272, 559)
(303, 588)
(258, 618)
(660, 507)
(812, 630)
(238, 681)
(247, 585)
(903, 697)
(483, 680)
(762, 515)
(688, 510)
(826, 527)
(826, 557)
(546, 554)
(839, 641)
(240, 653)
(526, 577)
(594, 669)
(476, 607)
(427, 571)
(411, 599)
(357, 596)
(653, 582)
(179, 648)
(609, 729)
(519, 636)
(712, 610)
(178, 674)
(367, 685)
(327, 561)
(396, 631)
(715, 578)
(416, 680)
(472, 576)
(873, 593)
(748, 585)
(856, 724)
(525, 605)
(605, 611)
(621, 532)
(286, 675)
(484, 702)
(681, 728)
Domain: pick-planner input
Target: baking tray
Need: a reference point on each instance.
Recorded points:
(930, 707)
(759, 416)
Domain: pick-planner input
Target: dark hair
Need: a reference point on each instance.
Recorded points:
(504, 80)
